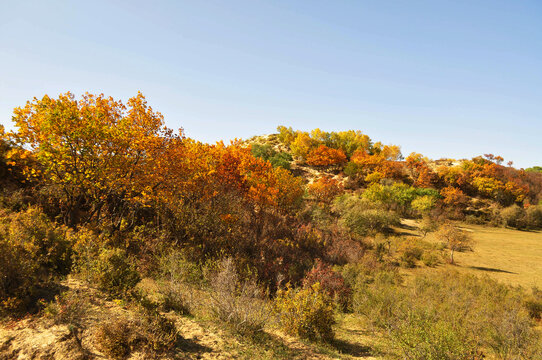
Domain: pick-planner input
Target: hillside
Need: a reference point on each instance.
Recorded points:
(122, 239)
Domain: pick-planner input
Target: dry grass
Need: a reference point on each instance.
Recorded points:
(511, 256)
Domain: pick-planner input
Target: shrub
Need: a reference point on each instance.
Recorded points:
(427, 225)
(533, 303)
(424, 204)
(513, 216)
(352, 169)
(158, 332)
(325, 189)
(399, 196)
(116, 337)
(446, 315)
(354, 274)
(180, 277)
(69, 308)
(241, 304)
(176, 298)
(362, 217)
(342, 250)
(431, 258)
(409, 254)
(307, 312)
(331, 282)
(474, 220)
(533, 217)
(86, 249)
(41, 239)
(33, 252)
(277, 159)
(374, 177)
(113, 272)
(520, 218)
(421, 336)
(265, 151)
(455, 239)
(281, 159)
(325, 156)
(18, 279)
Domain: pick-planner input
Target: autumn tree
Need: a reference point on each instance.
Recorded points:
(286, 135)
(350, 141)
(325, 189)
(374, 167)
(421, 173)
(388, 152)
(325, 156)
(302, 145)
(95, 150)
(454, 197)
(454, 238)
(4, 148)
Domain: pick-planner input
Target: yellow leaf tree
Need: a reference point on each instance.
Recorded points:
(96, 151)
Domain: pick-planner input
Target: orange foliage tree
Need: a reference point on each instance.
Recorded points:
(325, 156)
(454, 197)
(94, 150)
(376, 164)
(422, 174)
(325, 189)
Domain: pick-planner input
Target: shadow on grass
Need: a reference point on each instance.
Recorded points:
(408, 227)
(491, 269)
(276, 345)
(188, 345)
(351, 349)
(402, 233)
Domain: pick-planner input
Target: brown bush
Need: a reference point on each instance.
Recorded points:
(409, 254)
(239, 303)
(69, 308)
(159, 334)
(116, 337)
(150, 331)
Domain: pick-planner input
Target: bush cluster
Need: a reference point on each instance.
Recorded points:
(70, 308)
(522, 218)
(277, 159)
(363, 217)
(151, 332)
(331, 282)
(306, 312)
(34, 252)
(114, 272)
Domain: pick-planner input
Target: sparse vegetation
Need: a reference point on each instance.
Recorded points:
(239, 303)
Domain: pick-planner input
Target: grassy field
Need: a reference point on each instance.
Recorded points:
(511, 256)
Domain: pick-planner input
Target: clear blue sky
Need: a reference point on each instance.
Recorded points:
(444, 78)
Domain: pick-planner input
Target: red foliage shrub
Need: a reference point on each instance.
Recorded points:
(331, 281)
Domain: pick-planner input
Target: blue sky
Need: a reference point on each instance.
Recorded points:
(444, 78)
